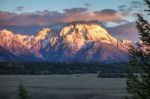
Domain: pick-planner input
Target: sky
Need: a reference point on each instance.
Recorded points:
(111, 13)
(59, 5)
(60, 8)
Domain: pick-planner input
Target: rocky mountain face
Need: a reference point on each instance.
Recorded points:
(78, 41)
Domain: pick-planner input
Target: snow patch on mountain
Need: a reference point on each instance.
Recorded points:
(73, 42)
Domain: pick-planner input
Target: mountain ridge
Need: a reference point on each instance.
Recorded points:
(77, 41)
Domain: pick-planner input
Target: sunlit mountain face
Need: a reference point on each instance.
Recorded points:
(77, 41)
(68, 30)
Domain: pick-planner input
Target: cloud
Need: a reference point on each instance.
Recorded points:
(108, 11)
(52, 17)
(124, 8)
(126, 31)
(133, 7)
(82, 14)
(5, 16)
(75, 10)
(108, 15)
(137, 4)
(87, 5)
(20, 8)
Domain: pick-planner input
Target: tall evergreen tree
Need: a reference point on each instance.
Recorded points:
(138, 85)
(22, 93)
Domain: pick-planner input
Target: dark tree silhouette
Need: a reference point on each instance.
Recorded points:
(22, 93)
(138, 84)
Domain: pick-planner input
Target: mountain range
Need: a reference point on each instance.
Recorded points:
(73, 42)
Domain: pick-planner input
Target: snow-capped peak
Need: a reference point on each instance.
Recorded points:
(73, 42)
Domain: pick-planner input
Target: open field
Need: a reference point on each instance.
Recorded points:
(86, 86)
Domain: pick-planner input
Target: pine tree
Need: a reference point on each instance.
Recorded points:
(138, 85)
(22, 93)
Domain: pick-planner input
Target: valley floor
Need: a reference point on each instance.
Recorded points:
(82, 86)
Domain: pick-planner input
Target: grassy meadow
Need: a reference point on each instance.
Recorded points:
(73, 86)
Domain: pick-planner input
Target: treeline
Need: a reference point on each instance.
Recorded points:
(37, 68)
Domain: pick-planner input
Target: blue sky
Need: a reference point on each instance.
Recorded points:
(112, 12)
(59, 5)
(117, 14)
